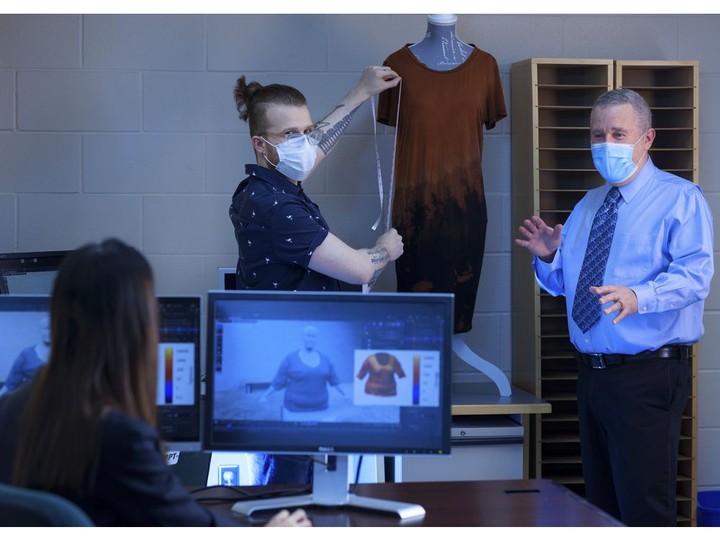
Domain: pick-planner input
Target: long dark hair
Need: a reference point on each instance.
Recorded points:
(102, 358)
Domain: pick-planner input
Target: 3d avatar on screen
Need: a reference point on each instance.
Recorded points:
(381, 369)
(305, 374)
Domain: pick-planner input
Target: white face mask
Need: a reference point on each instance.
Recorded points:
(296, 156)
(614, 160)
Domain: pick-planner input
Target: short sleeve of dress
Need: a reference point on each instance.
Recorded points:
(388, 100)
(495, 102)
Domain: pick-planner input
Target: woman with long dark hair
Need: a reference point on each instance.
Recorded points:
(84, 429)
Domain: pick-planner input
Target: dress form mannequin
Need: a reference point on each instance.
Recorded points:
(441, 49)
(448, 88)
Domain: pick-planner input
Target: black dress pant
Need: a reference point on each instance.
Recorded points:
(630, 420)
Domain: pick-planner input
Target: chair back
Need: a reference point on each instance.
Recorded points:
(23, 507)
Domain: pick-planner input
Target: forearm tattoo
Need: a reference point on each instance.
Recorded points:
(332, 135)
(379, 257)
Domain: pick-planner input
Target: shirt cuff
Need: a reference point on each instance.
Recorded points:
(544, 268)
(645, 298)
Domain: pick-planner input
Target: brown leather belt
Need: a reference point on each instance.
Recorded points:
(603, 361)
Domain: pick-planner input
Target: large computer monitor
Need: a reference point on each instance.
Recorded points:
(24, 321)
(389, 354)
(29, 272)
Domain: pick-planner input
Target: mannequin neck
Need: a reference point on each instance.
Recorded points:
(441, 49)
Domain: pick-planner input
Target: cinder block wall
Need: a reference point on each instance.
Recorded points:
(121, 125)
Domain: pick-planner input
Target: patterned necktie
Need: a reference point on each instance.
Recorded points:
(586, 308)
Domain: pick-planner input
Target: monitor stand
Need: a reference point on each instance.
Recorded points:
(330, 488)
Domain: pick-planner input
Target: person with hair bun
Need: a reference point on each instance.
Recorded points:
(284, 242)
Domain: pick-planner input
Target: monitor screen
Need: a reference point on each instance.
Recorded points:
(178, 384)
(388, 353)
(333, 374)
(30, 272)
(24, 346)
(24, 338)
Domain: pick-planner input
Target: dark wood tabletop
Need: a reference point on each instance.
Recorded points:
(482, 503)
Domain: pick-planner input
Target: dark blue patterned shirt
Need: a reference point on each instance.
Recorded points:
(277, 228)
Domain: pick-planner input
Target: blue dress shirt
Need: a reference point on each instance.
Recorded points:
(662, 250)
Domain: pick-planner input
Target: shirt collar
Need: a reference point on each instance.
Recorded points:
(273, 177)
(629, 191)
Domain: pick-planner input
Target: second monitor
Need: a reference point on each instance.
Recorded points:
(25, 341)
(178, 376)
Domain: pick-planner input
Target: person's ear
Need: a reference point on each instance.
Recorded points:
(649, 138)
(258, 143)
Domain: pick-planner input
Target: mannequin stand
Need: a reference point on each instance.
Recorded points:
(483, 366)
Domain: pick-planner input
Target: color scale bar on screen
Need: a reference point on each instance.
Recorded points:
(168, 374)
(416, 379)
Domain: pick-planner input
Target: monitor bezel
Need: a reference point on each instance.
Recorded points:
(444, 300)
(30, 261)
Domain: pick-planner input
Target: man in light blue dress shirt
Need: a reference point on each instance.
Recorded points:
(634, 377)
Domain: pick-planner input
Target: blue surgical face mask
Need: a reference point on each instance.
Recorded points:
(614, 160)
(296, 156)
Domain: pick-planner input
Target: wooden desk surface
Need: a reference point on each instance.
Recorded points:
(484, 398)
(483, 503)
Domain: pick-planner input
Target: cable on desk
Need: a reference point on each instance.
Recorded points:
(331, 464)
(357, 471)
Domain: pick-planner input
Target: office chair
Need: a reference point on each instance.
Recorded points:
(22, 507)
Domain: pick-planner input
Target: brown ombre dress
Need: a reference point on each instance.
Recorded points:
(439, 201)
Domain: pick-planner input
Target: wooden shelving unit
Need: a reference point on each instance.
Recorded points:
(552, 169)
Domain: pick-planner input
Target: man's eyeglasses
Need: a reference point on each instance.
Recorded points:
(314, 136)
